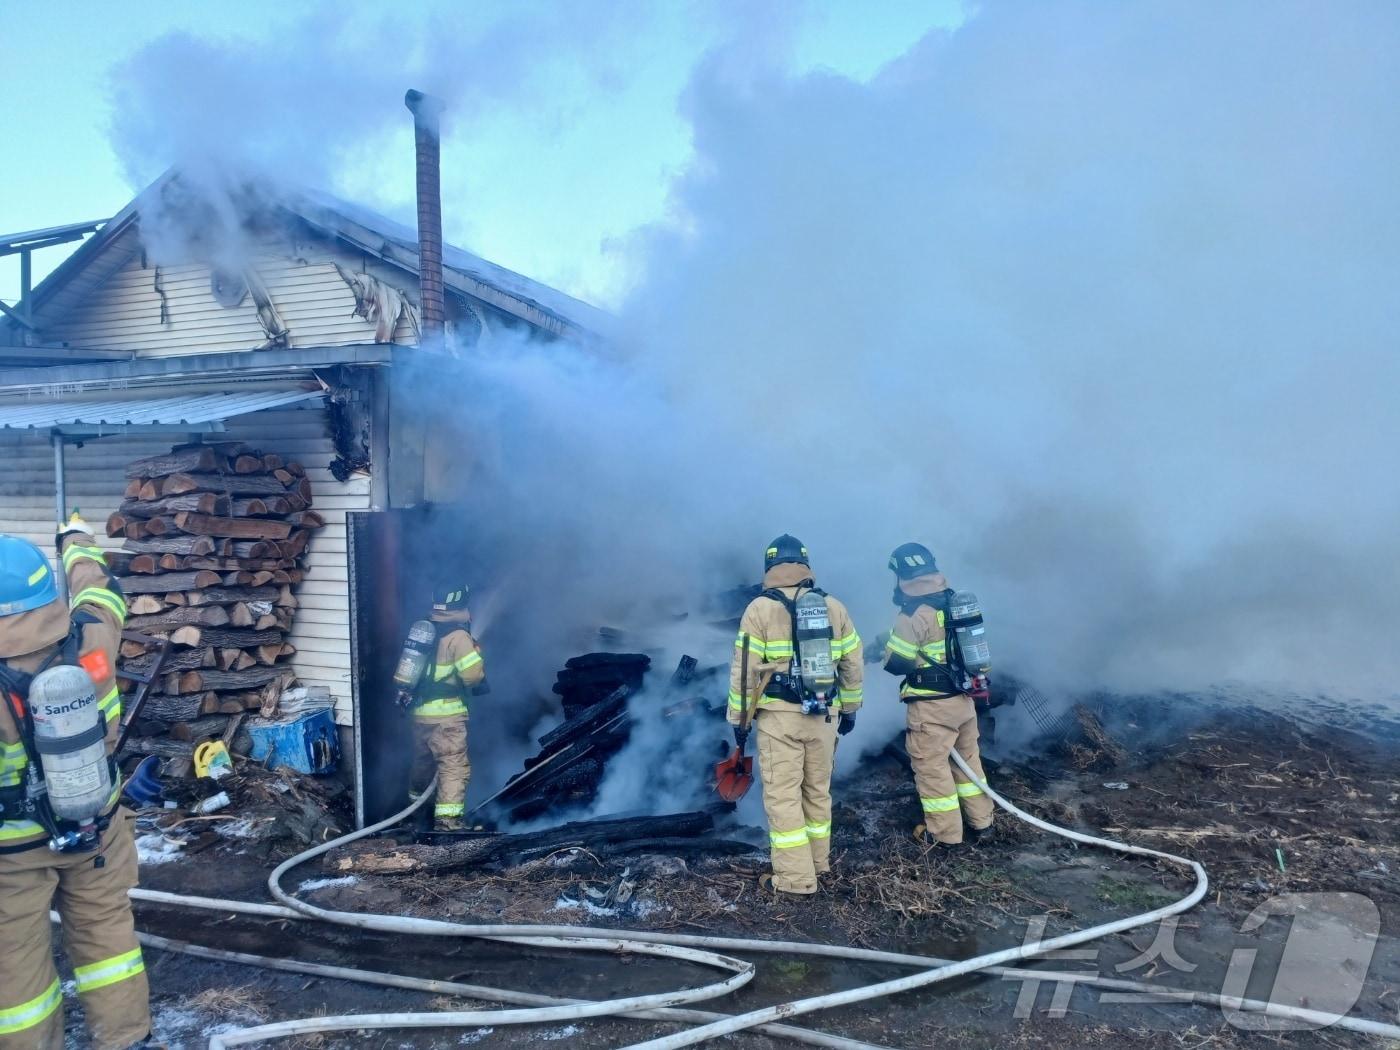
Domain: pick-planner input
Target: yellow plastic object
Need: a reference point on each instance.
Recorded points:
(211, 759)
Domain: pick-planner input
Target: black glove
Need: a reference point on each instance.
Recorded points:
(845, 725)
(741, 736)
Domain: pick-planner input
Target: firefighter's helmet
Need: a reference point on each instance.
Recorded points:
(785, 549)
(26, 581)
(909, 561)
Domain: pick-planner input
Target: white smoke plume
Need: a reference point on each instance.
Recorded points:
(1097, 301)
(318, 103)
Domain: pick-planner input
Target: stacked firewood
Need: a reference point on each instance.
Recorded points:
(215, 537)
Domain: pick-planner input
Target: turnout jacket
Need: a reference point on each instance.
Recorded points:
(27, 639)
(918, 639)
(766, 631)
(457, 666)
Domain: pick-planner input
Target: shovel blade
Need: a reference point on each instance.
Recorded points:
(734, 776)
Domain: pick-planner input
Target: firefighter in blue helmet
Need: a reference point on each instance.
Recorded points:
(64, 841)
(797, 668)
(939, 712)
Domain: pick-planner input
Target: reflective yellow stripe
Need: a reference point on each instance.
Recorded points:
(438, 708)
(851, 696)
(900, 647)
(765, 701)
(942, 804)
(788, 839)
(38, 574)
(968, 790)
(735, 701)
(467, 662)
(101, 596)
(778, 650)
(442, 672)
(12, 757)
(77, 553)
(755, 644)
(13, 830)
(842, 646)
(935, 651)
(448, 809)
(108, 971)
(819, 831)
(27, 1015)
(111, 706)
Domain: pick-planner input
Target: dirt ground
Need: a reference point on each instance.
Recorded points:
(1270, 803)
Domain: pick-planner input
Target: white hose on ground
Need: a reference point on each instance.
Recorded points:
(982, 962)
(828, 951)
(556, 936)
(546, 936)
(474, 991)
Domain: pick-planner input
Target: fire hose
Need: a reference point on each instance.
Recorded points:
(548, 1009)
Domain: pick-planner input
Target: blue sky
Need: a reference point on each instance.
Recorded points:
(551, 190)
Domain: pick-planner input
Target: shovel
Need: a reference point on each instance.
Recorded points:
(734, 775)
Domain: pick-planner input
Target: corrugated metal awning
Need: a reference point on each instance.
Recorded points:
(172, 412)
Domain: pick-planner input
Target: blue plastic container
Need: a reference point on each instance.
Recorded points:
(308, 744)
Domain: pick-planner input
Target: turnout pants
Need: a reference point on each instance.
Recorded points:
(98, 934)
(795, 754)
(935, 727)
(440, 744)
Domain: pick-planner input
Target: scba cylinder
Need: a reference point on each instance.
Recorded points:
(70, 734)
(965, 618)
(413, 659)
(814, 646)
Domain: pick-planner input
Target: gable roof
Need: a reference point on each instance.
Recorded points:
(114, 245)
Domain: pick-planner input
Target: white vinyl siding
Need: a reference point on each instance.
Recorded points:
(96, 482)
(312, 300)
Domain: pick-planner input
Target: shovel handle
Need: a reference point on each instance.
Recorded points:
(744, 684)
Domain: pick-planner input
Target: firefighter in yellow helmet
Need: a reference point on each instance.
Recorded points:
(439, 707)
(797, 664)
(69, 846)
(940, 714)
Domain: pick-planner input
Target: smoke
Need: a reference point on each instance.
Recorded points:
(319, 103)
(1097, 301)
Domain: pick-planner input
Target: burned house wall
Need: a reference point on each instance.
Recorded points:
(94, 475)
(167, 310)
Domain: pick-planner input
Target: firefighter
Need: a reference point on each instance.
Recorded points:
(440, 708)
(83, 870)
(800, 708)
(940, 715)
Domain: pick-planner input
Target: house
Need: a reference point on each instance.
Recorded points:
(280, 320)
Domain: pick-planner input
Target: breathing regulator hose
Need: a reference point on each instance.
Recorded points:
(658, 1006)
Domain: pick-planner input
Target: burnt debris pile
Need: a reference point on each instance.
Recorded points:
(608, 704)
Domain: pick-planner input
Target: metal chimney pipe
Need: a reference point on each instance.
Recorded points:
(426, 110)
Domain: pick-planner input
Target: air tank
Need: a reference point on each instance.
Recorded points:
(814, 646)
(70, 736)
(965, 620)
(417, 652)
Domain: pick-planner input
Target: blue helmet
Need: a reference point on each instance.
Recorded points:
(26, 581)
(783, 550)
(909, 561)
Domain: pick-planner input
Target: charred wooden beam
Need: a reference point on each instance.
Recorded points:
(506, 849)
